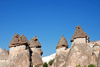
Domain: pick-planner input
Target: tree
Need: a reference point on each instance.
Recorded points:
(91, 65)
(36, 66)
(51, 61)
(45, 65)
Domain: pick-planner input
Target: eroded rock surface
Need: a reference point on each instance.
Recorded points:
(4, 54)
(81, 54)
(17, 40)
(20, 60)
(98, 60)
(79, 33)
(60, 59)
(36, 59)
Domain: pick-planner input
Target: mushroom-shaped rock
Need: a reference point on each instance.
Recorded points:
(24, 39)
(62, 42)
(79, 33)
(34, 42)
(17, 40)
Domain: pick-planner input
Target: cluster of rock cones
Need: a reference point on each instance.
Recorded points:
(24, 53)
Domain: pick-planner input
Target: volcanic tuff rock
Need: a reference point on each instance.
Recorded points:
(81, 54)
(20, 60)
(60, 59)
(4, 57)
(4, 54)
(95, 45)
(62, 42)
(98, 61)
(35, 47)
(37, 60)
(61, 53)
(17, 40)
(22, 53)
(34, 42)
(79, 33)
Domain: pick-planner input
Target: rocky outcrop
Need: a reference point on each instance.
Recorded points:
(17, 40)
(79, 33)
(17, 44)
(81, 54)
(61, 53)
(4, 54)
(95, 45)
(98, 61)
(35, 47)
(23, 53)
(34, 42)
(60, 59)
(62, 42)
(36, 59)
(20, 60)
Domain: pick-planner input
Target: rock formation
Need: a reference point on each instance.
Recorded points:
(61, 53)
(28, 54)
(98, 60)
(79, 36)
(95, 45)
(22, 53)
(17, 40)
(81, 51)
(81, 54)
(4, 54)
(19, 55)
(35, 46)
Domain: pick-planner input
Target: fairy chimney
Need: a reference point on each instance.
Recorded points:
(62, 44)
(79, 36)
(35, 45)
(17, 44)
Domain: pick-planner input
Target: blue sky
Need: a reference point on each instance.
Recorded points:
(48, 20)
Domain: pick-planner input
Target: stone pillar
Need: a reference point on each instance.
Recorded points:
(19, 55)
(61, 53)
(35, 47)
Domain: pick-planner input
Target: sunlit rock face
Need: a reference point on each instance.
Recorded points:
(18, 40)
(82, 54)
(95, 45)
(79, 36)
(4, 54)
(37, 59)
(98, 60)
(20, 60)
(19, 55)
(17, 44)
(61, 53)
(35, 47)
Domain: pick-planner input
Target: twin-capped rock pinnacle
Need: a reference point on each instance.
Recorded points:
(17, 40)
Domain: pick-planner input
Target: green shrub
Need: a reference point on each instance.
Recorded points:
(51, 61)
(45, 65)
(91, 65)
(78, 65)
(36, 66)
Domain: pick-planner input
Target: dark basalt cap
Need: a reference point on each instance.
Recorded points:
(79, 33)
(62, 42)
(17, 40)
(34, 42)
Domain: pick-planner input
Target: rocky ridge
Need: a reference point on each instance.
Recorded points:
(24, 53)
